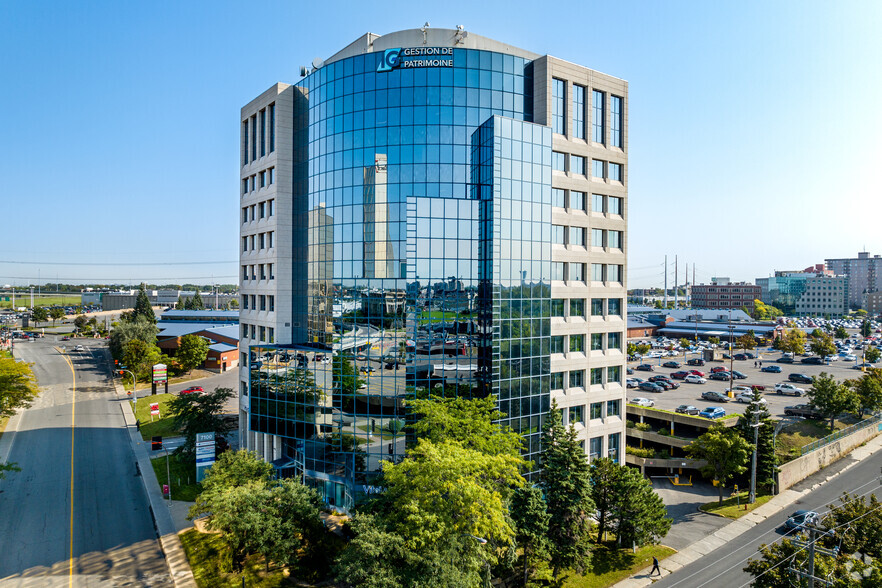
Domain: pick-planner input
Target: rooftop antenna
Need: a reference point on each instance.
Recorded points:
(461, 34)
(424, 28)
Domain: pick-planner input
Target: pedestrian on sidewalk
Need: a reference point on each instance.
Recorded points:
(655, 567)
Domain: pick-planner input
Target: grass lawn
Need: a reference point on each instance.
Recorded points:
(733, 508)
(151, 425)
(42, 300)
(609, 565)
(793, 438)
(183, 475)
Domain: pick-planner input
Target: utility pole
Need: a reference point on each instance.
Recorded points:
(756, 425)
(666, 281)
(676, 284)
(812, 551)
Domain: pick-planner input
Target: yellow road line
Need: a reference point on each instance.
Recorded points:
(72, 424)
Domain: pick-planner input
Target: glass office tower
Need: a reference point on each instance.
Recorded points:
(416, 214)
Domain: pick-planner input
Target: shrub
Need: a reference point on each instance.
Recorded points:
(640, 452)
(643, 427)
(665, 432)
(629, 424)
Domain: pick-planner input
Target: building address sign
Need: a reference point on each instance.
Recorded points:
(416, 57)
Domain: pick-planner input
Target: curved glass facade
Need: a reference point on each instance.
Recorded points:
(422, 203)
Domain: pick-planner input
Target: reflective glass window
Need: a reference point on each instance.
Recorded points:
(557, 344)
(577, 236)
(577, 415)
(615, 239)
(596, 341)
(615, 171)
(577, 272)
(557, 270)
(597, 237)
(596, 410)
(577, 165)
(616, 121)
(597, 307)
(598, 117)
(557, 307)
(614, 273)
(598, 169)
(577, 343)
(597, 203)
(615, 205)
(596, 376)
(615, 306)
(577, 379)
(558, 197)
(558, 161)
(557, 380)
(613, 407)
(577, 200)
(597, 272)
(614, 374)
(557, 234)
(577, 307)
(558, 106)
(595, 448)
(614, 341)
(578, 111)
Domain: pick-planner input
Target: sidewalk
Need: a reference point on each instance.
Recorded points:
(165, 519)
(726, 534)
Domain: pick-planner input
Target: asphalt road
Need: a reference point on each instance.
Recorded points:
(76, 515)
(690, 393)
(724, 566)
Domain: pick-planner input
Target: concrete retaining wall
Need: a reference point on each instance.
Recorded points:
(799, 469)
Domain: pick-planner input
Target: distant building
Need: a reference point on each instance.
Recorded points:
(124, 300)
(805, 294)
(864, 275)
(873, 303)
(724, 294)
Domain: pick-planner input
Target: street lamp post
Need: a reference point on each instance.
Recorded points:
(752, 496)
(134, 386)
(731, 356)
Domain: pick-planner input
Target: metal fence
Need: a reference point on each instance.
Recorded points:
(842, 433)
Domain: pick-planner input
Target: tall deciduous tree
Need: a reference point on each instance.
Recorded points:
(140, 357)
(725, 452)
(80, 322)
(18, 388)
(200, 413)
(56, 313)
(840, 332)
(567, 494)
(471, 422)
(793, 341)
(868, 389)
(40, 314)
(141, 329)
(832, 398)
(822, 344)
(192, 351)
(866, 328)
(872, 354)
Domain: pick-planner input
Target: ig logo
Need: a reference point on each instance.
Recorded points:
(391, 60)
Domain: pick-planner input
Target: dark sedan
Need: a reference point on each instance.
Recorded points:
(812, 361)
(738, 375)
(645, 367)
(800, 379)
(650, 387)
(720, 376)
(695, 361)
(674, 365)
(687, 409)
(772, 369)
(784, 360)
(679, 375)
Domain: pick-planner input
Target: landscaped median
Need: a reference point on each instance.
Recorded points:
(162, 425)
(736, 506)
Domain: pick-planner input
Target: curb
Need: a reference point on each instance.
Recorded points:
(172, 548)
(738, 526)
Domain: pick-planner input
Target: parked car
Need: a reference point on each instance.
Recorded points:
(848, 357)
(784, 359)
(719, 369)
(800, 378)
(788, 389)
(714, 396)
(79, 348)
(645, 367)
(739, 357)
(698, 373)
(679, 375)
(650, 387)
(800, 518)
(806, 411)
(720, 376)
(671, 385)
(191, 390)
(812, 360)
(693, 379)
(65, 338)
(748, 397)
(714, 412)
(641, 402)
(687, 409)
(740, 389)
(863, 365)
(695, 361)
(736, 375)
(772, 369)
(671, 364)
(632, 382)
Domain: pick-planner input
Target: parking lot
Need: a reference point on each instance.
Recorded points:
(691, 393)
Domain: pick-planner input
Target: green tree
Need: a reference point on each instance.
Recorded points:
(140, 357)
(196, 302)
(237, 515)
(232, 469)
(39, 314)
(639, 514)
(234, 303)
(344, 378)
(872, 354)
(766, 461)
(604, 474)
(866, 328)
(713, 340)
(18, 389)
(869, 390)
(142, 306)
(685, 343)
(747, 342)
(531, 519)
(192, 351)
(823, 345)
(80, 322)
(565, 482)
(832, 398)
(56, 313)
(200, 413)
(292, 522)
(643, 348)
(445, 489)
(793, 341)
(725, 451)
(471, 422)
(141, 329)
(180, 304)
(840, 332)
(772, 568)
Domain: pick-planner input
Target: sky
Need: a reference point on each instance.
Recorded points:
(753, 126)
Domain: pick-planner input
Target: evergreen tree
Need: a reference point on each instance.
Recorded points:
(566, 485)
(531, 521)
(725, 452)
(639, 514)
(766, 461)
(196, 302)
(180, 304)
(142, 306)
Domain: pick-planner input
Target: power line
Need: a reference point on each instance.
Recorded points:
(126, 263)
(53, 279)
